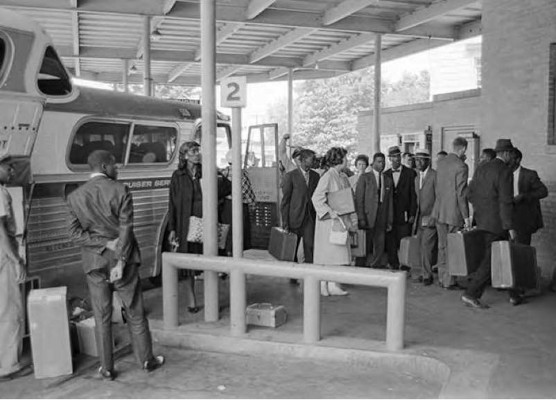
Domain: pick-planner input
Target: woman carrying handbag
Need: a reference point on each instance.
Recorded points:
(331, 231)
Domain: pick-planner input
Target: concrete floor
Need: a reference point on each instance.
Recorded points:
(451, 351)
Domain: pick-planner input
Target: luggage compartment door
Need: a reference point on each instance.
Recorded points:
(20, 116)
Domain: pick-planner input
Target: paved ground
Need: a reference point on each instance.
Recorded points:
(503, 352)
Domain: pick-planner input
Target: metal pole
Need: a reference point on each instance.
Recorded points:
(208, 146)
(311, 310)
(395, 316)
(238, 302)
(169, 295)
(290, 101)
(147, 55)
(378, 84)
(124, 75)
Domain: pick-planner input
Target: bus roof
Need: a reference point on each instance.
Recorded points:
(118, 104)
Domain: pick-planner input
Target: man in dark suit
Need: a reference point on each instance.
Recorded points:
(298, 212)
(405, 204)
(451, 210)
(425, 187)
(374, 205)
(528, 190)
(491, 193)
(101, 221)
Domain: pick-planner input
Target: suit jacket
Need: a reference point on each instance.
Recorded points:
(427, 194)
(527, 215)
(450, 205)
(491, 193)
(102, 210)
(296, 199)
(366, 200)
(405, 198)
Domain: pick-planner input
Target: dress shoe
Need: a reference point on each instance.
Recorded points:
(153, 363)
(516, 300)
(453, 287)
(428, 281)
(194, 310)
(471, 302)
(335, 290)
(106, 374)
(324, 289)
(418, 279)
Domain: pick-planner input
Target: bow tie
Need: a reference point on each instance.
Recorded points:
(397, 170)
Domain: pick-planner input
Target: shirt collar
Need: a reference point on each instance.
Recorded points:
(516, 172)
(95, 174)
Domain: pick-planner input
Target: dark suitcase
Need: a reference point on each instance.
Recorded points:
(358, 243)
(409, 253)
(513, 265)
(282, 245)
(464, 252)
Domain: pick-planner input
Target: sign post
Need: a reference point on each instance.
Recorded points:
(233, 92)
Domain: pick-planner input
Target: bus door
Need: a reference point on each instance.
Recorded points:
(261, 163)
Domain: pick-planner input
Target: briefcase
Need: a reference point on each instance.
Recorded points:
(513, 265)
(341, 201)
(409, 253)
(465, 251)
(358, 243)
(282, 245)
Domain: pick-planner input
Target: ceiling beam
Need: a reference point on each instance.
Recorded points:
(224, 33)
(226, 72)
(431, 12)
(256, 7)
(278, 73)
(178, 70)
(279, 43)
(338, 48)
(344, 9)
(469, 30)
(76, 42)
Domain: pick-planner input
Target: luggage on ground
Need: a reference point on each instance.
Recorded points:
(464, 252)
(513, 265)
(409, 253)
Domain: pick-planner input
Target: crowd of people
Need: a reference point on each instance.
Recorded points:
(411, 198)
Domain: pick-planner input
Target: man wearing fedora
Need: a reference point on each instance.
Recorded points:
(491, 193)
(425, 187)
(451, 210)
(405, 204)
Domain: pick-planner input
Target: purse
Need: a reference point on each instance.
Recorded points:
(195, 233)
(339, 238)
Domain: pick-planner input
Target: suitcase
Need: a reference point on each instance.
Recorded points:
(513, 265)
(50, 334)
(282, 245)
(358, 243)
(409, 253)
(464, 252)
(265, 314)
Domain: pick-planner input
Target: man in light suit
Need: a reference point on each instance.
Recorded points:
(527, 190)
(405, 204)
(298, 212)
(425, 187)
(101, 221)
(451, 211)
(375, 209)
(491, 193)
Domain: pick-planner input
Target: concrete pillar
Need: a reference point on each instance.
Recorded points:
(395, 318)
(125, 67)
(147, 79)
(238, 302)
(290, 102)
(208, 147)
(311, 310)
(169, 296)
(237, 198)
(378, 84)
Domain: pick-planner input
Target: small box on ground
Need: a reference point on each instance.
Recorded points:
(514, 265)
(409, 253)
(50, 334)
(282, 244)
(265, 314)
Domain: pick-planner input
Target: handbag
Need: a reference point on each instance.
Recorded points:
(339, 238)
(195, 233)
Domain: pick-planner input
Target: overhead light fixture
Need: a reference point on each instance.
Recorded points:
(156, 35)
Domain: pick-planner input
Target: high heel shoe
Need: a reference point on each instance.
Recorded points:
(335, 290)
(193, 310)
(324, 288)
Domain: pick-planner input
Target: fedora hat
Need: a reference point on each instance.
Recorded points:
(393, 151)
(423, 153)
(503, 145)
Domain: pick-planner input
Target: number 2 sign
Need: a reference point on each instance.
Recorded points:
(233, 92)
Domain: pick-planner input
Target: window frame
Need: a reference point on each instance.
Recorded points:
(125, 165)
(67, 75)
(6, 67)
(551, 127)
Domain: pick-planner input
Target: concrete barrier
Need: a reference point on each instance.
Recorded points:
(311, 274)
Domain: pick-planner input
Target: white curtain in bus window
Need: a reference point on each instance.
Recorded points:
(91, 136)
(222, 146)
(152, 144)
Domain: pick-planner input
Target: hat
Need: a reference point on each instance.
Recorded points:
(503, 145)
(393, 151)
(296, 152)
(423, 153)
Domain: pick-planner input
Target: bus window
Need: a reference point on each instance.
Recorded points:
(152, 144)
(4, 57)
(53, 79)
(91, 136)
(222, 144)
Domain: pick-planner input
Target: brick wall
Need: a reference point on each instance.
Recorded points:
(515, 96)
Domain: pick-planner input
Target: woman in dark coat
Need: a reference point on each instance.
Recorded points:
(186, 200)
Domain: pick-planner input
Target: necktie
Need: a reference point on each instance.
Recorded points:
(306, 174)
(380, 187)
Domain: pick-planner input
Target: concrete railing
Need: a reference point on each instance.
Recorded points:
(311, 275)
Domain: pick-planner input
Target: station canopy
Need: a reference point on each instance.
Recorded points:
(261, 39)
